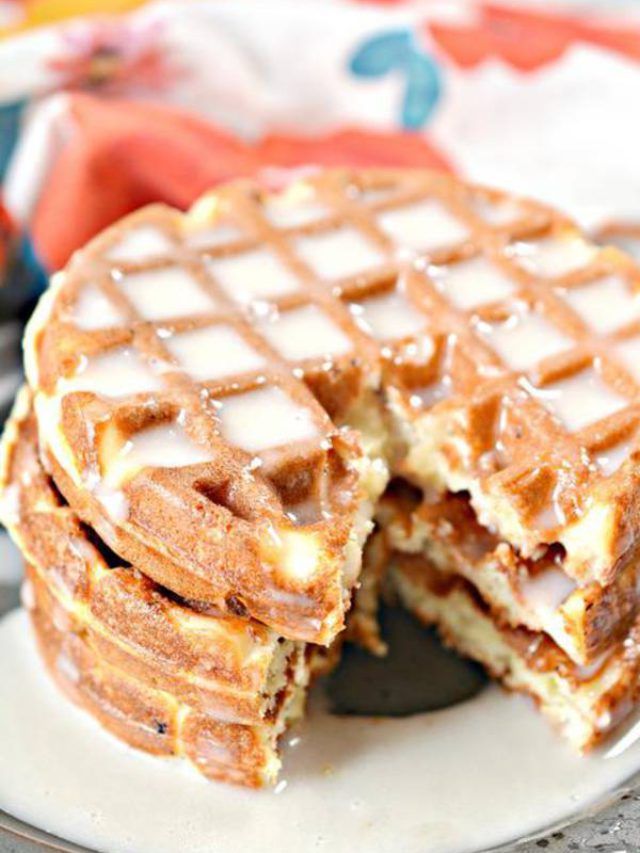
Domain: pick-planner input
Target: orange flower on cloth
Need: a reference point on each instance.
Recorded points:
(524, 38)
(113, 55)
(120, 155)
(6, 234)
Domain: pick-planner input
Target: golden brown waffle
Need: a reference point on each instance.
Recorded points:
(209, 678)
(585, 703)
(150, 718)
(585, 621)
(502, 342)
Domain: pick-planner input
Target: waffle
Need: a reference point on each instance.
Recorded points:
(179, 431)
(160, 673)
(222, 396)
(585, 703)
(152, 719)
(584, 621)
(232, 382)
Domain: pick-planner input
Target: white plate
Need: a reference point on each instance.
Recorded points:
(479, 774)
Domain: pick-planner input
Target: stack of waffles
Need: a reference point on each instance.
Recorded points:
(221, 403)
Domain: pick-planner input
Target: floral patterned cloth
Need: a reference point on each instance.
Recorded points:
(99, 115)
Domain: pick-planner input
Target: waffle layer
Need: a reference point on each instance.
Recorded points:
(585, 703)
(585, 621)
(149, 717)
(177, 681)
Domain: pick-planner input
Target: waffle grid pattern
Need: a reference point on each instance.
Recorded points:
(536, 259)
(214, 390)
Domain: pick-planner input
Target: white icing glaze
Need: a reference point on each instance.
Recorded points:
(93, 310)
(209, 238)
(139, 244)
(264, 418)
(257, 274)
(285, 211)
(164, 445)
(305, 332)
(300, 554)
(213, 352)
(553, 256)
(424, 226)
(67, 667)
(305, 512)
(629, 354)
(471, 283)
(546, 590)
(612, 458)
(338, 254)
(525, 339)
(463, 779)
(388, 317)
(116, 373)
(580, 400)
(550, 516)
(10, 504)
(165, 293)
(114, 501)
(605, 305)
(431, 394)
(502, 212)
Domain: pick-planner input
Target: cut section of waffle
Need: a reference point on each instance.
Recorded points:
(221, 687)
(194, 376)
(585, 621)
(584, 703)
(531, 405)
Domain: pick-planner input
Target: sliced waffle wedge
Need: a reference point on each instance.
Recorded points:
(585, 703)
(531, 405)
(585, 621)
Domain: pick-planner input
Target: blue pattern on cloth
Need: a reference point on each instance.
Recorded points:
(34, 276)
(25, 272)
(10, 117)
(397, 51)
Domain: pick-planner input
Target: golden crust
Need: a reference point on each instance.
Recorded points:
(147, 717)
